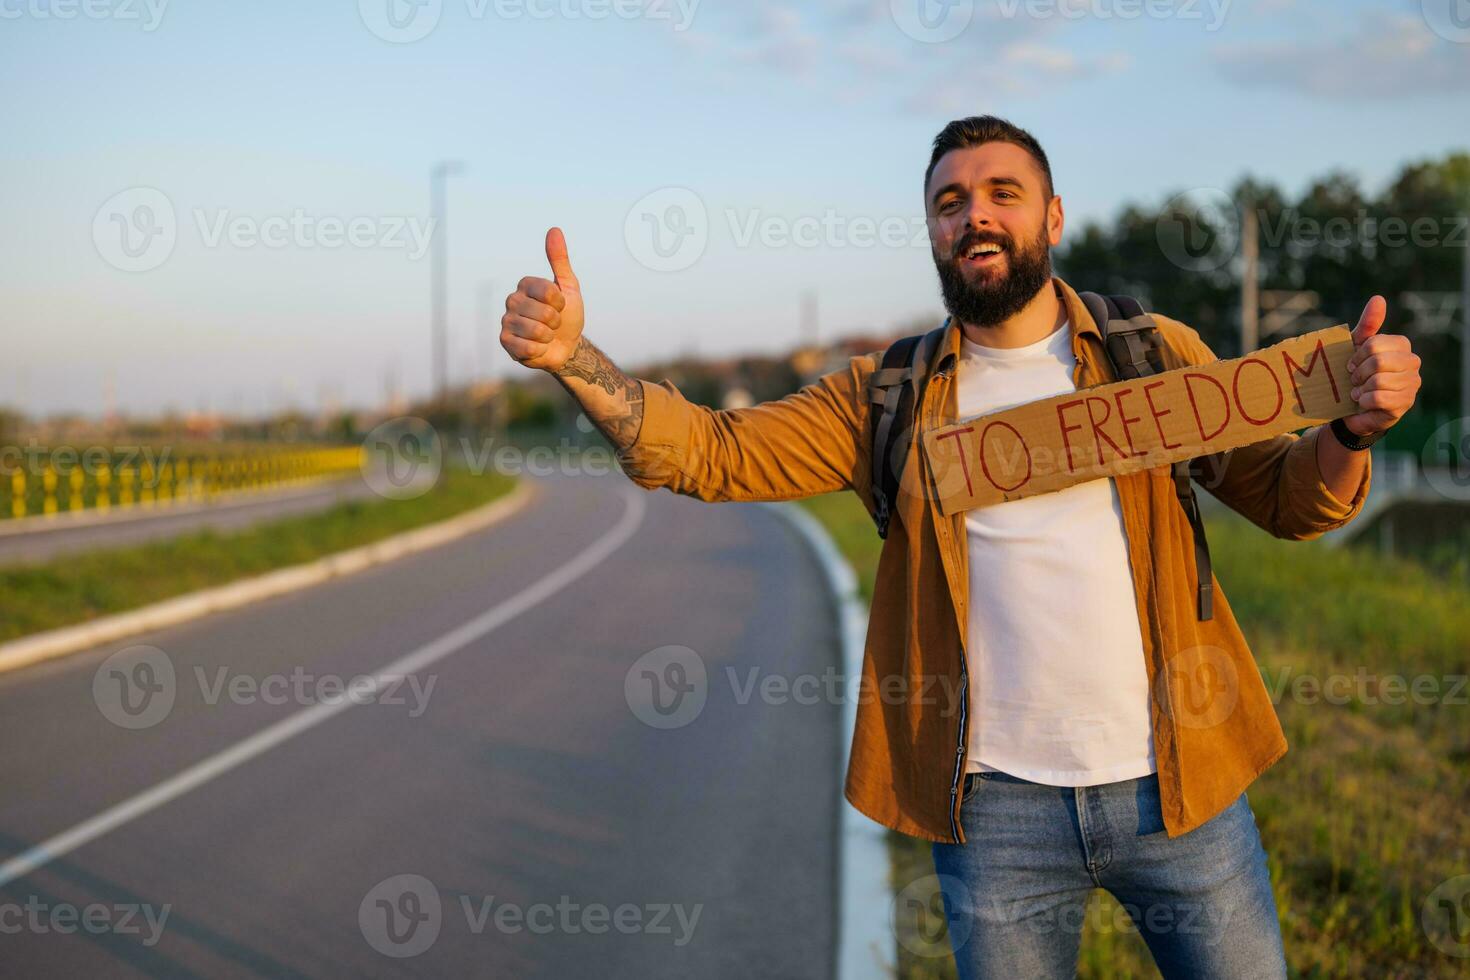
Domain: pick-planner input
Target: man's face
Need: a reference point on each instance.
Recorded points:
(981, 198)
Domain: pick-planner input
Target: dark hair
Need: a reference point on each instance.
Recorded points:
(976, 130)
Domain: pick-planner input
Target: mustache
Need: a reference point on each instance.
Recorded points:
(973, 238)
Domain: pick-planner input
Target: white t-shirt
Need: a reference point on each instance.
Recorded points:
(1058, 688)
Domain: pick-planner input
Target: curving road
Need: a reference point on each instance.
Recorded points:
(533, 800)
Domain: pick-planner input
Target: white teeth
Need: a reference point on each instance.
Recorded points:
(985, 248)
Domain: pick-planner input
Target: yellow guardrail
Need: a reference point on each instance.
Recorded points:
(51, 482)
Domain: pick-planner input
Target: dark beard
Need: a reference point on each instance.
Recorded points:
(988, 301)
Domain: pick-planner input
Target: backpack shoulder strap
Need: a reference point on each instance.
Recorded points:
(894, 391)
(1129, 334)
(1132, 341)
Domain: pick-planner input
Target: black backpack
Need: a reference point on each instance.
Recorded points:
(1132, 341)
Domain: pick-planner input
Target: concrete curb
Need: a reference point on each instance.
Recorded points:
(28, 650)
(865, 941)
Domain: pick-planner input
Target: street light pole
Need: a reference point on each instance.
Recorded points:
(438, 276)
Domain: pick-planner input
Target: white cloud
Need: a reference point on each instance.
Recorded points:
(1385, 56)
(1021, 70)
(854, 50)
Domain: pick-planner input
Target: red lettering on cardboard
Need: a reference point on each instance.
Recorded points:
(1067, 443)
(960, 452)
(1235, 387)
(1125, 420)
(1148, 396)
(986, 466)
(1292, 366)
(1224, 399)
(1099, 436)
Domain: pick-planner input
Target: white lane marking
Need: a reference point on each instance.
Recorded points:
(287, 728)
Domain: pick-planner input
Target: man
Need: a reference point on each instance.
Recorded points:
(1103, 734)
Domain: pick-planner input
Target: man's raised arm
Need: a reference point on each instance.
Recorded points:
(810, 442)
(542, 328)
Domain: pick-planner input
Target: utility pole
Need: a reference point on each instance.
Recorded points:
(483, 321)
(1465, 333)
(1250, 305)
(438, 275)
(809, 317)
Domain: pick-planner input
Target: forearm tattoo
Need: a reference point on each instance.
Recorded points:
(620, 420)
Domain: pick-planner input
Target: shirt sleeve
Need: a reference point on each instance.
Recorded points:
(810, 442)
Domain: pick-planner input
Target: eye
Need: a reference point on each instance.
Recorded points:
(1006, 193)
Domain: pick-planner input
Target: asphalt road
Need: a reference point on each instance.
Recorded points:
(65, 535)
(513, 810)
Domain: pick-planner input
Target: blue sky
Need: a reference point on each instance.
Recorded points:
(783, 134)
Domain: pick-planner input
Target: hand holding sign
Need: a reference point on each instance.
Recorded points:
(1127, 426)
(544, 318)
(1385, 373)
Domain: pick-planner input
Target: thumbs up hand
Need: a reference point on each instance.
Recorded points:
(1385, 372)
(543, 317)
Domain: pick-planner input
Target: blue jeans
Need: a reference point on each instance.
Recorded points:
(1016, 890)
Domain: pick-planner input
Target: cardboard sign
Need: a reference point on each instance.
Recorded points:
(1126, 426)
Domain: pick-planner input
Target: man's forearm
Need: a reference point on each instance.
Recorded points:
(612, 400)
(1341, 468)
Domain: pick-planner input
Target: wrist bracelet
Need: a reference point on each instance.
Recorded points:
(1350, 439)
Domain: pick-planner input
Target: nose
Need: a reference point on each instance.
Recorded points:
(978, 216)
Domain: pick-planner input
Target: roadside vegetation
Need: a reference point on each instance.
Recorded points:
(77, 588)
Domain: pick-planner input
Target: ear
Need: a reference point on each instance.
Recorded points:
(1055, 218)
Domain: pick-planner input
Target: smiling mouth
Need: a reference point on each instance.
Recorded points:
(981, 254)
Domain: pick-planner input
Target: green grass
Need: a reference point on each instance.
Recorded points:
(78, 588)
(1370, 809)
